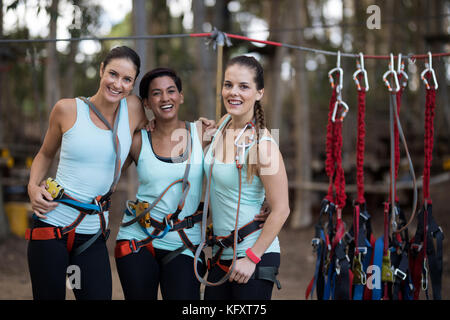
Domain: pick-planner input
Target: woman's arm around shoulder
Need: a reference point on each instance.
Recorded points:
(135, 150)
(136, 113)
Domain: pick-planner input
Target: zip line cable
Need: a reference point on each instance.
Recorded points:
(213, 35)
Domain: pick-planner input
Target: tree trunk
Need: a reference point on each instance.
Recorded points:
(301, 214)
(140, 26)
(276, 92)
(204, 65)
(52, 90)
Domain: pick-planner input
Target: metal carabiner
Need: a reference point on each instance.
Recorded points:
(336, 107)
(394, 73)
(339, 70)
(429, 68)
(241, 146)
(360, 68)
(401, 70)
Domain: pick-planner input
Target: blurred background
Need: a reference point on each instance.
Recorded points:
(35, 74)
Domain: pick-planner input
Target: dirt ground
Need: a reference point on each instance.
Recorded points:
(297, 259)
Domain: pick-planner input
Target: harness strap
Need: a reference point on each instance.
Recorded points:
(116, 142)
(228, 241)
(126, 247)
(329, 264)
(205, 211)
(185, 189)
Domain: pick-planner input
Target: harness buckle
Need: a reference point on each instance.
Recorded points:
(58, 232)
(399, 273)
(348, 238)
(219, 242)
(362, 250)
(168, 221)
(133, 247)
(417, 247)
(189, 222)
(315, 242)
(439, 229)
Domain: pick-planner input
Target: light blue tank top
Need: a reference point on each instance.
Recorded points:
(154, 176)
(86, 165)
(224, 197)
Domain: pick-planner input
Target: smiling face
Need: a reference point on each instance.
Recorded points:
(164, 99)
(117, 79)
(239, 91)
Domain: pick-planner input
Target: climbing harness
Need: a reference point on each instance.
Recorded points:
(395, 278)
(425, 258)
(141, 213)
(332, 276)
(238, 234)
(360, 238)
(98, 206)
(239, 160)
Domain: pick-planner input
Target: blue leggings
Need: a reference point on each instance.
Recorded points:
(48, 262)
(254, 289)
(140, 274)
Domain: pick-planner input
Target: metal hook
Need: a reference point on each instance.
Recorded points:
(339, 70)
(336, 107)
(360, 68)
(241, 146)
(429, 68)
(394, 73)
(401, 70)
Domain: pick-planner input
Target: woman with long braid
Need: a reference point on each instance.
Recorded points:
(244, 165)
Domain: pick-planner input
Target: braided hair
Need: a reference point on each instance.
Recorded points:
(260, 123)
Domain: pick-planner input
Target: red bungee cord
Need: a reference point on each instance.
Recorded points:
(333, 163)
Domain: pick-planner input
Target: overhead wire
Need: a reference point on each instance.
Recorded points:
(229, 35)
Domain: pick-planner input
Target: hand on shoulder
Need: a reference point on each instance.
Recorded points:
(136, 113)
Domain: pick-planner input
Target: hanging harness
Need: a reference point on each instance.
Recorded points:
(332, 275)
(425, 257)
(395, 277)
(238, 234)
(141, 213)
(360, 238)
(98, 206)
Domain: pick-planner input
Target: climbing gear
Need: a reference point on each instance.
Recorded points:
(425, 258)
(333, 277)
(98, 206)
(222, 242)
(394, 268)
(360, 238)
(55, 190)
(339, 87)
(141, 213)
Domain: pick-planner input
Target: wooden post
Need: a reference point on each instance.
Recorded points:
(219, 76)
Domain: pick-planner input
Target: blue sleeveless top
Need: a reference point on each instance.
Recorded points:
(224, 197)
(154, 176)
(86, 165)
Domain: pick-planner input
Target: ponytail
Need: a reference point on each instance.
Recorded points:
(260, 126)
